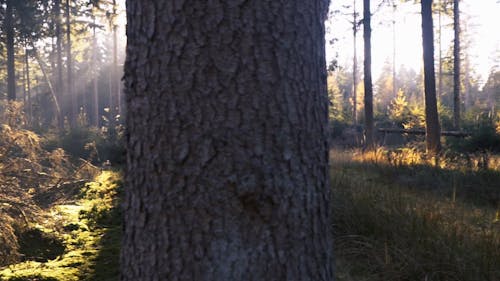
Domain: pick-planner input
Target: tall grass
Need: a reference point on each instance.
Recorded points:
(410, 220)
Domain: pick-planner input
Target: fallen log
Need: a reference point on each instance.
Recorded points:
(422, 132)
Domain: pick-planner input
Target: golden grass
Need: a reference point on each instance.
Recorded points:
(410, 220)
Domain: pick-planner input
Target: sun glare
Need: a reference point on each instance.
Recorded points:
(480, 39)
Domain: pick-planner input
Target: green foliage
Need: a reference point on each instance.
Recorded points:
(485, 137)
(90, 144)
(398, 109)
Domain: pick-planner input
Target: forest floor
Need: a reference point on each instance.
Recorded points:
(398, 216)
(77, 237)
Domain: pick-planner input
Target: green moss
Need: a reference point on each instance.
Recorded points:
(88, 232)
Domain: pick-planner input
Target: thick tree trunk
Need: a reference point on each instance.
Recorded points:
(367, 30)
(227, 156)
(11, 63)
(456, 65)
(432, 127)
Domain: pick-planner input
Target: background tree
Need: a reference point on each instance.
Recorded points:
(355, 26)
(9, 31)
(456, 65)
(432, 129)
(369, 126)
(227, 132)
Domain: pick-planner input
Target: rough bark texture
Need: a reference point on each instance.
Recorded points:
(367, 31)
(11, 68)
(456, 65)
(432, 128)
(227, 155)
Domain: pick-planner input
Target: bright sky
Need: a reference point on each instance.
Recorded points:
(483, 24)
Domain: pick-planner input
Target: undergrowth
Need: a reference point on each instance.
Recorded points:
(411, 220)
(88, 230)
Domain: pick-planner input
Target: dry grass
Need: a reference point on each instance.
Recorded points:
(410, 220)
(27, 171)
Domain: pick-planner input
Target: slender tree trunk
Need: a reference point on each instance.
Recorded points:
(11, 63)
(433, 133)
(227, 155)
(47, 80)
(113, 80)
(73, 112)
(28, 86)
(467, 97)
(24, 84)
(116, 79)
(355, 67)
(440, 62)
(456, 65)
(96, 115)
(369, 138)
(394, 85)
(59, 87)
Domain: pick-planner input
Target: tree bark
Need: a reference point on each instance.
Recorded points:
(456, 65)
(369, 141)
(11, 63)
(432, 127)
(227, 155)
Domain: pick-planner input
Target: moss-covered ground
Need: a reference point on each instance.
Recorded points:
(76, 241)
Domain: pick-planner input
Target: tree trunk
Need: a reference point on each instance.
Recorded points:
(116, 79)
(28, 86)
(440, 62)
(394, 83)
(355, 67)
(113, 80)
(456, 65)
(369, 141)
(59, 88)
(96, 116)
(11, 63)
(227, 154)
(432, 127)
(72, 103)
(46, 77)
